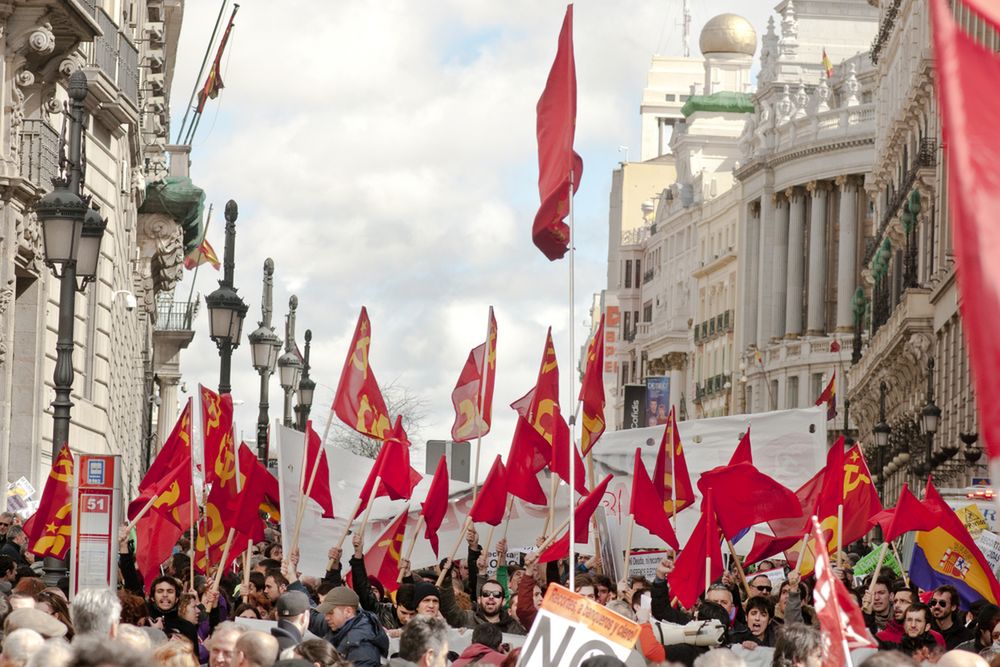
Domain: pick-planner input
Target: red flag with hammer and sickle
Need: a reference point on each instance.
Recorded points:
(538, 406)
(49, 528)
(473, 394)
(358, 401)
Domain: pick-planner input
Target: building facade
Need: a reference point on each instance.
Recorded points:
(126, 50)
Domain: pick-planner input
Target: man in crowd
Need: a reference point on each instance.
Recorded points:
(944, 607)
(354, 632)
(892, 634)
(878, 605)
(255, 649)
(275, 584)
(293, 618)
(489, 609)
(6, 521)
(424, 643)
(222, 644)
(760, 585)
(15, 547)
(917, 639)
(96, 612)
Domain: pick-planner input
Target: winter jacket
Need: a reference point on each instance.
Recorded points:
(479, 654)
(457, 618)
(287, 635)
(744, 635)
(361, 640)
(385, 612)
(955, 635)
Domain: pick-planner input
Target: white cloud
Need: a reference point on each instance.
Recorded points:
(384, 154)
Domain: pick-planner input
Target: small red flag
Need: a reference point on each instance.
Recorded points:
(743, 453)
(645, 505)
(382, 559)
(315, 457)
(745, 496)
(560, 455)
(592, 391)
(537, 406)
(217, 432)
(213, 84)
(49, 529)
(358, 401)
(259, 494)
(524, 462)
(908, 514)
(581, 524)
(829, 396)
(839, 616)
(473, 396)
(177, 447)
(700, 560)
(392, 466)
(559, 167)
(435, 506)
(491, 501)
(671, 470)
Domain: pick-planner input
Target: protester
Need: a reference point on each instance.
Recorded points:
(485, 647)
(293, 619)
(944, 609)
(354, 632)
(424, 643)
(255, 649)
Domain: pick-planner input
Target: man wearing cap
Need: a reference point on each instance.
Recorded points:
(293, 619)
(34, 619)
(354, 632)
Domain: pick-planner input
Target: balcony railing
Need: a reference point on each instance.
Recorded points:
(39, 152)
(175, 315)
(648, 276)
(115, 57)
(105, 50)
(128, 69)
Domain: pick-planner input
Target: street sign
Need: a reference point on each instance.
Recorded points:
(458, 455)
(96, 517)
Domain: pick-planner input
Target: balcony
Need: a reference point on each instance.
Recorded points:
(175, 315)
(648, 276)
(39, 153)
(113, 71)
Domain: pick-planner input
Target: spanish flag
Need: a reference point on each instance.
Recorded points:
(829, 396)
(948, 555)
(827, 65)
(203, 254)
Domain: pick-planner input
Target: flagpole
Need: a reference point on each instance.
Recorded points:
(204, 235)
(194, 536)
(479, 402)
(458, 543)
(673, 472)
(878, 571)
(572, 387)
(308, 488)
(739, 567)
(628, 546)
(201, 70)
(906, 577)
(413, 543)
(506, 523)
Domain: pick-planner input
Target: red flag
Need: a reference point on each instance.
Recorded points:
(970, 116)
(472, 396)
(259, 494)
(170, 517)
(581, 524)
(560, 456)
(491, 501)
(908, 514)
(791, 528)
(176, 447)
(315, 457)
(524, 462)
(765, 546)
(829, 396)
(592, 391)
(538, 405)
(839, 616)
(358, 401)
(217, 431)
(743, 453)
(745, 496)
(435, 506)
(702, 552)
(213, 84)
(49, 529)
(392, 467)
(645, 505)
(559, 167)
(671, 470)
(382, 559)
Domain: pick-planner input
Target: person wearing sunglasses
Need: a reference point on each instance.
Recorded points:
(489, 609)
(6, 521)
(944, 607)
(760, 585)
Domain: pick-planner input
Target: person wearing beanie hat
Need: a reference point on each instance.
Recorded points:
(426, 598)
(354, 632)
(392, 616)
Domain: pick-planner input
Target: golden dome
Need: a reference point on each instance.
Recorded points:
(728, 33)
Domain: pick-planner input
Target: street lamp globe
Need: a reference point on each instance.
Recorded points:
(89, 253)
(226, 311)
(929, 417)
(882, 432)
(289, 370)
(306, 388)
(61, 213)
(264, 348)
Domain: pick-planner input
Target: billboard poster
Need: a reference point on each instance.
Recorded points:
(635, 406)
(657, 400)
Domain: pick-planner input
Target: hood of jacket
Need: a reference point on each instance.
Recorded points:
(364, 627)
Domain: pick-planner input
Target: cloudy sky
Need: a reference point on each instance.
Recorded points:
(383, 154)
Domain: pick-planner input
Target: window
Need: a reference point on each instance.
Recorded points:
(792, 392)
(773, 394)
(670, 97)
(647, 311)
(628, 278)
(638, 275)
(628, 321)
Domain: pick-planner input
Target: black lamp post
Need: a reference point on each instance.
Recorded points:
(881, 432)
(289, 364)
(306, 387)
(848, 440)
(930, 415)
(264, 348)
(226, 309)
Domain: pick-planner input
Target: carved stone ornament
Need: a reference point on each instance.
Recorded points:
(41, 40)
(161, 263)
(918, 345)
(768, 55)
(801, 101)
(822, 94)
(22, 79)
(852, 87)
(789, 30)
(28, 235)
(785, 106)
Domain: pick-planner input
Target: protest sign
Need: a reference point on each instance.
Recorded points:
(643, 563)
(973, 519)
(866, 564)
(989, 544)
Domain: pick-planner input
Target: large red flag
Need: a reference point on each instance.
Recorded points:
(358, 401)
(700, 561)
(217, 432)
(397, 478)
(745, 496)
(592, 391)
(170, 517)
(559, 167)
(222, 513)
(473, 394)
(743, 453)
(315, 459)
(670, 474)
(49, 528)
(435, 506)
(839, 616)
(645, 505)
(259, 494)
(524, 462)
(581, 524)
(970, 115)
(788, 532)
(382, 559)
(908, 514)
(176, 447)
(491, 501)
(538, 405)
(560, 453)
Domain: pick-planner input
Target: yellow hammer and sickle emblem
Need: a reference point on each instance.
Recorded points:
(225, 464)
(55, 543)
(545, 407)
(213, 535)
(591, 424)
(214, 413)
(380, 423)
(185, 433)
(491, 357)
(467, 410)
(62, 471)
(851, 483)
(391, 544)
(170, 497)
(359, 358)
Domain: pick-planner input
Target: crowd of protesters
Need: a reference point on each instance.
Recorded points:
(174, 622)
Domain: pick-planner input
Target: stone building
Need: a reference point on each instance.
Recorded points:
(126, 49)
(911, 323)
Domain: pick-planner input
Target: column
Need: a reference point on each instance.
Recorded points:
(765, 296)
(749, 279)
(796, 251)
(816, 299)
(675, 364)
(847, 251)
(779, 266)
(166, 412)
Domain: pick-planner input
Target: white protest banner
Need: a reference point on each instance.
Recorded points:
(570, 628)
(989, 544)
(643, 563)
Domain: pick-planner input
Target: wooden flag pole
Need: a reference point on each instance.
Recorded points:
(739, 567)
(489, 541)
(840, 535)
(628, 545)
(145, 508)
(350, 520)
(673, 475)
(552, 538)
(458, 543)
(368, 510)
(506, 523)
(413, 542)
(802, 552)
(906, 577)
(708, 573)
(246, 569)
(225, 556)
(593, 519)
(550, 520)
(878, 570)
(194, 537)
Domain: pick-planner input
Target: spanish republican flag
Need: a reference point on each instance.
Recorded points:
(473, 394)
(829, 396)
(592, 391)
(49, 528)
(559, 167)
(358, 401)
(203, 254)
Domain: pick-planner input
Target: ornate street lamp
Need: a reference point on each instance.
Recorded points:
(306, 387)
(848, 440)
(264, 348)
(289, 364)
(226, 309)
(881, 432)
(930, 415)
(89, 254)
